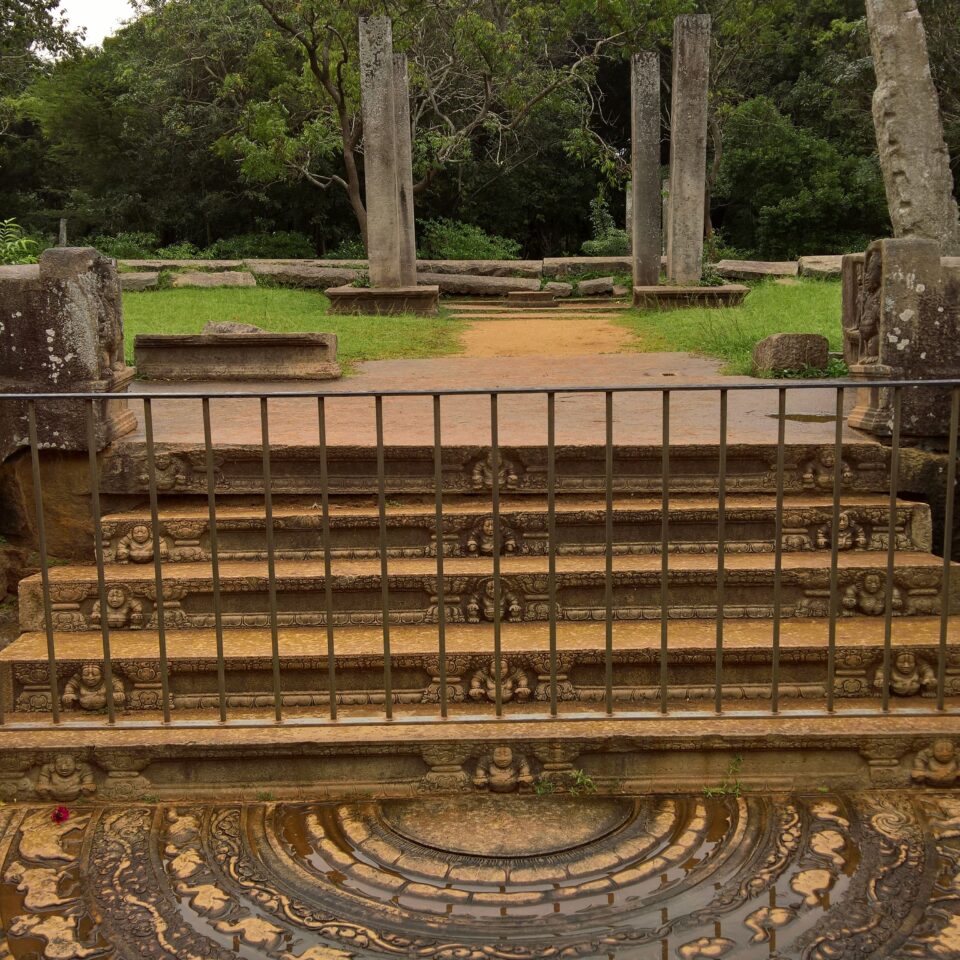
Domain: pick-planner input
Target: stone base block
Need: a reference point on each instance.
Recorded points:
(873, 411)
(532, 298)
(422, 301)
(239, 356)
(665, 297)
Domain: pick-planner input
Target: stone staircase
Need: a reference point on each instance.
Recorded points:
(356, 597)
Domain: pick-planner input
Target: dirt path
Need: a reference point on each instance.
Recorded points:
(566, 331)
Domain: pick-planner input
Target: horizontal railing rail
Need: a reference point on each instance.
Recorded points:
(316, 436)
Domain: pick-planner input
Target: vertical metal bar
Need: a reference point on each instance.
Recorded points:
(946, 583)
(891, 548)
(98, 553)
(608, 554)
(384, 571)
(778, 551)
(441, 586)
(44, 559)
(497, 546)
(552, 542)
(157, 557)
(665, 553)
(835, 552)
(721, 551)
(214, 557)
(271, 557)
(327, 560)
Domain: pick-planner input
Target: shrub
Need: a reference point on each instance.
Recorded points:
(181, 251)
(280, 245)
(14, 246)
(351, 249)
(453, 240)
(608, 240)
(127, 246)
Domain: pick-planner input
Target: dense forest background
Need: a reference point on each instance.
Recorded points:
(207, 120)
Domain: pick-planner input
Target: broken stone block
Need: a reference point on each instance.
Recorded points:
(595, 288)
(230, 326)
(791, 352)
(227, 278)
(138, 282)
(559, 289)
(61, 331)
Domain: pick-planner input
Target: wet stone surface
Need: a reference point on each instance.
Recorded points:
(820, 876)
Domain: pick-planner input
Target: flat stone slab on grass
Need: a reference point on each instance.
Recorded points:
(756, 269)
(829, 266)
(571, 266)
(791, 352)
(238, 356)
(665, 297)
(226, 278)
(139, 281)
(468, 285)
(602, 286)
(158, 265)
(369, 301)
(484, 268)
(304, 276)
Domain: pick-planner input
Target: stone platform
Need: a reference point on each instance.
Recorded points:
(750, 876)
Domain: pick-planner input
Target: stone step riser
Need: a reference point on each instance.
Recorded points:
(467, 470)
(471, 681)
(357, 600)
(299, 537)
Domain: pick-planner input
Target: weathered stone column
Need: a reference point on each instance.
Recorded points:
(645, 164)
(688, 147)
(377, 88)
(408, 231)
(906, 114)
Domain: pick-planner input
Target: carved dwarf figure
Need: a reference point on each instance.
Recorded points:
(850, 536)
(66, 778)
(87, 689)
(137, 546)
(481, 542)
(908, 676)
(484, 606)
(482, 476)
(122, 611)
(503, 771)
(514, 684)
(818, 474)
(868, 321)
(868, 597)
(937, 764)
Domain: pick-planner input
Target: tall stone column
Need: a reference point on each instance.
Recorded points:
(906, 114)
(688, 147)
(645, 166)
(408, 232)
(377, 88)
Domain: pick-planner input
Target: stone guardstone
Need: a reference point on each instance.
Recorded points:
(902, 322)
(791, 352)
(61, 331)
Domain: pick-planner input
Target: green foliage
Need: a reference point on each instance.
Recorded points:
(731, 785)
(351, 248)
(575, 783)
(790, 192)
(731, 333)
(608, 240)
(14, 246)
(362, 280)
(836, 369)
(180, 251)
(127, 246)
(451, 240)
(279, 245)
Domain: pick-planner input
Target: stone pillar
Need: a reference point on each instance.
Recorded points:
(62, 239)
(62, 332)
(377, 89)
(645, 164)
(688, 147)
(408, 231)
(906, 114)
(628, 217)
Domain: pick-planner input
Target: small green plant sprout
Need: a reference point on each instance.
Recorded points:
(573, 782)
(265, 796)
(544, 786)
(150, 798)
(15, 248)
(362, 280)
(731, 785)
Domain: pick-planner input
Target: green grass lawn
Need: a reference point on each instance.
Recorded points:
(291, 311)
(730, 334)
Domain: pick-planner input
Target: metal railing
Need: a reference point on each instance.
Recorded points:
(669, 440)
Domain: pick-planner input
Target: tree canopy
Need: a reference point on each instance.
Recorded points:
(207, 119)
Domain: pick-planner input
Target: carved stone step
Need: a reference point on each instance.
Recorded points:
(751, 468)
(471, 672)
(469, 590)
(468, 528)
